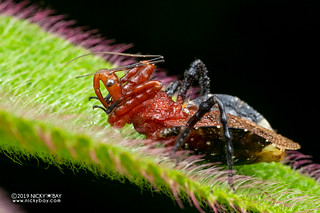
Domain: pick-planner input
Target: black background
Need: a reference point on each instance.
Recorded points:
(265, 52)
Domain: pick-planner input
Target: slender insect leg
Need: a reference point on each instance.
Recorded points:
(93, 97)
(196, 70)
(109, 109)
(107, 98)
(204, 108)
(227, 138)
(99, 107)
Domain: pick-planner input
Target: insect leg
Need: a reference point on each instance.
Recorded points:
(107, 98)
(99, 107)
(173, 87)
(204, 108)
(227, 137)
(197, 69)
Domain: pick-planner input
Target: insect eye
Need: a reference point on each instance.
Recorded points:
(110, 83)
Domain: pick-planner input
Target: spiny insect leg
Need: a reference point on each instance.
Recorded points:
(227, 137)
(197, 69)
(204, 108)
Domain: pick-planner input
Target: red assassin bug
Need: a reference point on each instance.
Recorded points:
(222, 127)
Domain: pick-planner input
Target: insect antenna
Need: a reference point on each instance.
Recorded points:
(116, 53)
(155, 59)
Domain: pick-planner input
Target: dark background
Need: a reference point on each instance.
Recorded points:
(265, 52)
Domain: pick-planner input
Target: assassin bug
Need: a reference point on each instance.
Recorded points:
(221, 127)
